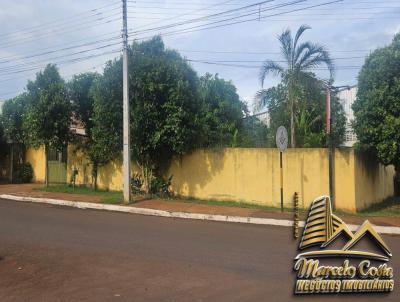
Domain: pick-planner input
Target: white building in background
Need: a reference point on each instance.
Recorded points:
(262, 116)
(347, 98)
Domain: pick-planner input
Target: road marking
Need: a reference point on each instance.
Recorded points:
(183, 215)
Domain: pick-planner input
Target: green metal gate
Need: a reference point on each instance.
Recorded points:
(57, 164)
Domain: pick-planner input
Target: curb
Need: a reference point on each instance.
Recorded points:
(182, 215)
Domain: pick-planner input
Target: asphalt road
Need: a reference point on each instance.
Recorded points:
(50, 253)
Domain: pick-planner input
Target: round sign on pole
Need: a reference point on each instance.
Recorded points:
(281, 138)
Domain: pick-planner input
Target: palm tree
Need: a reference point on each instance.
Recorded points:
(300, 60)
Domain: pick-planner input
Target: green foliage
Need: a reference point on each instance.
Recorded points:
(275, 101)
(3, 144)
(80, 93)
(159, 186)
(253, 134)
(48, 115)
(106, 134)
(338, 121)
(172, 110)
(136, 184)
(223, 111)
(23, 173)
(164, 104)
(2, 136)
(310, 114)
(79, 88)
(12, 118)
(299, 58)
(377, 107)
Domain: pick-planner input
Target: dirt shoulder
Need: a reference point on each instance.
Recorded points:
(30, 190)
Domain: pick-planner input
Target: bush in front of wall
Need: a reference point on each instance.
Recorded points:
(158, 185)
(23, 173)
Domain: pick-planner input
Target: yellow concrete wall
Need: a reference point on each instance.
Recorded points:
(109, 177)
(252, 175)
(77, 159)
(373, 182)
(305, 172)
(37, 159)
(344, 181)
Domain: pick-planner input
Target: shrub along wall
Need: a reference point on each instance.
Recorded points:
(252, 175)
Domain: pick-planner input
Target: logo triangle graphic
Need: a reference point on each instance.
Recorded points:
(322, 227)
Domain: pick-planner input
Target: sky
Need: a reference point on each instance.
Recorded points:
(80, 36)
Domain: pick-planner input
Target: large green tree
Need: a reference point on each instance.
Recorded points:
(12, 118)
(164, 103)
(165, 106)
(48, 116)
(222, 111)
(300, 58)
(79, 92)
(82, 100)
(106, 132)
(3, 142)
(172, 110)
(377, 107)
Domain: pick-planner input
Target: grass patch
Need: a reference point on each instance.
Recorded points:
(388, 207)
(109, 197)
(233, 204)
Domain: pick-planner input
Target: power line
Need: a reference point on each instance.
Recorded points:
(46, 24)
(187, 30)
(16, 92)
(13, 67)
(201, 27)
(185, 14)
(278, 61)
(93, 22)
(259, 66)
(195, 20)
(255, 52)
(181, 3)
(75, 60)
(180, 8)
(9, 59)
(140, 15)
(328, 19)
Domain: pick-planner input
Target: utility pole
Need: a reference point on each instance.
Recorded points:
(126, 123)
(329, 141)
(328, 111)
(328, 89)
